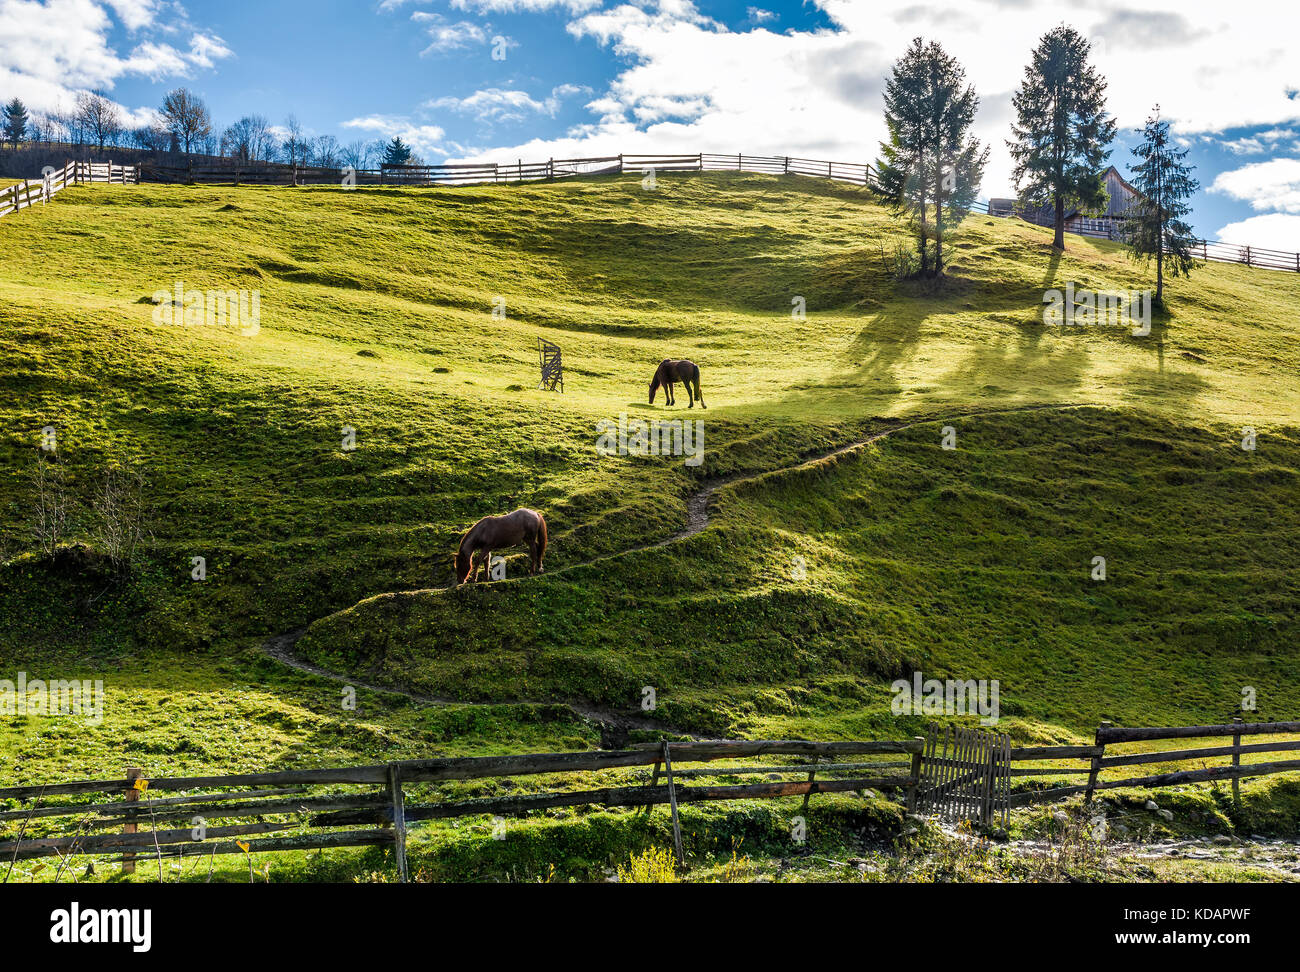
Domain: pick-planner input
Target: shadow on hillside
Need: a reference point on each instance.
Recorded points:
(1018, 357)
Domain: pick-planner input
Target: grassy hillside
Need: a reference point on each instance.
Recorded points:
(376, 314)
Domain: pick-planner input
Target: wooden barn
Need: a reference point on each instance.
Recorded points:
(1105, 224)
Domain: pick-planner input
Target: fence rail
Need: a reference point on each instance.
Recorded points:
(1098, 762)
(961, 773)
(384, 813)
(471, 173)
(476, 173)
(29, 192)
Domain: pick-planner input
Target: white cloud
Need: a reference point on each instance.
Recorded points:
(1272, 231)
(207, 49)
(691, 84)
(524, 6)
(135, 14)
(427, 139)
(498, 104)
(1271, 185)
(52, 49)
(1256, 144)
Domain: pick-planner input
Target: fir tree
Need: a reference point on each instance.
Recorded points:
(1154, 228)
(1061, 129)
(15, 121)
(397, 152)
(930, 169)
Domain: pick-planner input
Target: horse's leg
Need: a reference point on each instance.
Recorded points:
(532, 554)
(672, 398)
(686, 383)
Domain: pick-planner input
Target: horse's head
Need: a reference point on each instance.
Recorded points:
(654, 387)
(463, 564)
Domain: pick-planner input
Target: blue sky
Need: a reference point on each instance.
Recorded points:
(594, 77)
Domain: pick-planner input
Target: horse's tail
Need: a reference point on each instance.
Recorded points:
(541, 538)
(695, 376)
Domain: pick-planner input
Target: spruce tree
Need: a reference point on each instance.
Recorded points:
(397, 152)
(15, 121)
(1061, 129)
(1154, 228)
(930, 169)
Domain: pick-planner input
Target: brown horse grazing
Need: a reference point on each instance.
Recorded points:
(522, 528)
(671, 372)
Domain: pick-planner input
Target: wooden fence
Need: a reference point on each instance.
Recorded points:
(467, 173)
(29, 192)
(380, 814)
(969, 777)
(1103, 756)
(471, 173)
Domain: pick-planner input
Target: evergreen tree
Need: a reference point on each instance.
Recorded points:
(1155, 228)
(930, 169)
(1061, 129)
(15, 121)
(397, 152)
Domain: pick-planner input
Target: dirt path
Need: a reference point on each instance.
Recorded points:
(616, 724)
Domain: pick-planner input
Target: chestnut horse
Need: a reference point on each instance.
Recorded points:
(670, 372)
(522, 528)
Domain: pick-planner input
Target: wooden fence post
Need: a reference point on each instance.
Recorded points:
(812, 775)
(1248, 256)
(654, 781)
(1236, 761)
(1096, 763)
(133, 773)
(399, 820)
(916, 774)
(672, 803)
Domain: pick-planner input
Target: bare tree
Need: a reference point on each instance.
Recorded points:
(295, 146)
(57, 126)
(356, 154)
(119, 509)
(248, 140)
(186, 117)
(50, 485)
(155, 138)
(325, 151)
(99, 117)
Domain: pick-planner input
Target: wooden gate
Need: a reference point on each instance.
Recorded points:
(965, 775)
(552, 367)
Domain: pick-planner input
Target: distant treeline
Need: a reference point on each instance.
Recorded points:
(182, 128)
